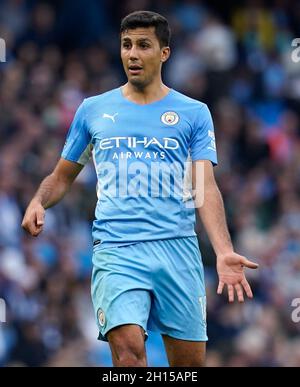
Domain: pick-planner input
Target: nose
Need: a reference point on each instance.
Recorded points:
(133, 54)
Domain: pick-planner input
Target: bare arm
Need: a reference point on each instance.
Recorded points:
(51, 191)
(230, 266)
(212, 211)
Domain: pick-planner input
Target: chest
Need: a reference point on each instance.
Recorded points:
(139, 129)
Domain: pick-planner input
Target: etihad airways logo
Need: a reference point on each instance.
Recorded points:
(134, 142)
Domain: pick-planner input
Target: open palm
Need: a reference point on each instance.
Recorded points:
(230, 268)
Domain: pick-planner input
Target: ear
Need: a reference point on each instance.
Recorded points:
(165, 53)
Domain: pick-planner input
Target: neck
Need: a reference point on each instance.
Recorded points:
(150, 93)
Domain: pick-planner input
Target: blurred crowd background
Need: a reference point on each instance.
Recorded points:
(235, 57)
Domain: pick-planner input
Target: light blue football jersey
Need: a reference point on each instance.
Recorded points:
(141, 155)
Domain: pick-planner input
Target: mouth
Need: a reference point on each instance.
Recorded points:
(135, 69)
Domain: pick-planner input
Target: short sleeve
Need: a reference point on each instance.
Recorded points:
(78, 147)
(203, 143)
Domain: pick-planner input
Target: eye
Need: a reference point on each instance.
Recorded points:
(144, 45)
(126, 45)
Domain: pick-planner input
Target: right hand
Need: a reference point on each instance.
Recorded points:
(34, 217)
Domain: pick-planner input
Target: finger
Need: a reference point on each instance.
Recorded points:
(220, 287)
(31, 228)
(27, 225)
(230, 293)
(34, 231)
(249, 264)
(39, 218)
(239, 292)
(247, 288)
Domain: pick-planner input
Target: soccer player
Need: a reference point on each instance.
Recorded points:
(147, 267)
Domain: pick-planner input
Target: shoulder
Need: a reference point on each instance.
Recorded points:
(100, 99)
(195, 110)
(188, 101)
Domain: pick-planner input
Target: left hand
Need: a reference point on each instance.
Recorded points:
(230, 268)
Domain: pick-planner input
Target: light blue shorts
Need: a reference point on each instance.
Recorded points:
(158, 285)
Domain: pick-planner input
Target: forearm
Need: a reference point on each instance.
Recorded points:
(51, 191)
(212, 214)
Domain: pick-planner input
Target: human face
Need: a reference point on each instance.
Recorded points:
(142, 56)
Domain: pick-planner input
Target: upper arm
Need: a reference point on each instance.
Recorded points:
(203, 181)
(203, 175)
(67, 171)
(202, 144)
(78, 146)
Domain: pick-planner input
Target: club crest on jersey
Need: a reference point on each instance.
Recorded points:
(101, 317)
(170, 118)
